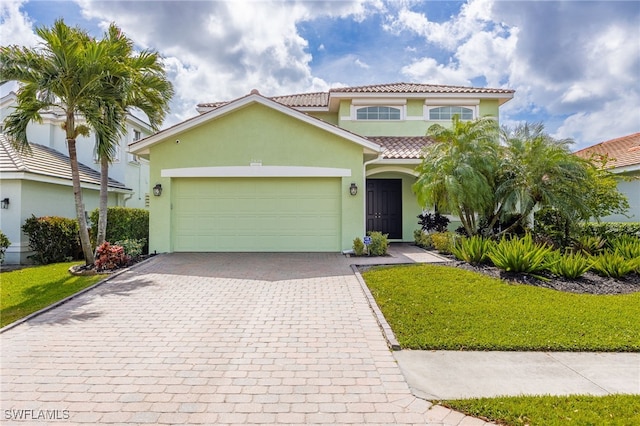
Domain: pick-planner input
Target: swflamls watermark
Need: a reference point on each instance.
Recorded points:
(34, 414)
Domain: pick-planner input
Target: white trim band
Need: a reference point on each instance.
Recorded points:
(255, 171)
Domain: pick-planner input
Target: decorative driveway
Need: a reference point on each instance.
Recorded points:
(212, 339)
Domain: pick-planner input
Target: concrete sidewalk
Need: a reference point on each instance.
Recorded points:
(441, 375)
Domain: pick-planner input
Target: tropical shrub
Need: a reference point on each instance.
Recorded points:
(613, 264)
(110, 257)
(627, 246)
(443, 241)
(610, 230)
(4, 243)
(568, 265)
(474, 250)
(422, 239)
(132, 248)
(520, 255)
(379, 243)
(433, 222)
(124, 223)
(588, 245)
(53, 239)
(358, 247)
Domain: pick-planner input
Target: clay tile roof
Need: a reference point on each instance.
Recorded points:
(418, 88)
(318, 99)
(46, 161)
(321, 99)
(401, 147)
(623, 151)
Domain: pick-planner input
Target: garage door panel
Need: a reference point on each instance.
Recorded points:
(265, 214)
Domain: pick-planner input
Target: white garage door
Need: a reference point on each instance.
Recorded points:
(256, 214)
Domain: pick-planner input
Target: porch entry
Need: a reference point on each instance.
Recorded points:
(384, 206)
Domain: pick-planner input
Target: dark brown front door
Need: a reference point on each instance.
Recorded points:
(384, 206)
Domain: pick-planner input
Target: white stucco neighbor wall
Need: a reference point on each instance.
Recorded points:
(631, 190)
(39, 199)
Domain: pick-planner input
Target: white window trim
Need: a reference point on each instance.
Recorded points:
(401, 107)
(474, 108)
(255, 171)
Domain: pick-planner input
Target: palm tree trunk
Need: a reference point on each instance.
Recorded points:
(102, 212)
(77, 192)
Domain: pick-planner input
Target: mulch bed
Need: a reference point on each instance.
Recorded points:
(589, 283)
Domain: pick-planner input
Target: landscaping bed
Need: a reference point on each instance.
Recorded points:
(589, 283)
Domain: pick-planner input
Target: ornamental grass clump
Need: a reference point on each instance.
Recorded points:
(626, 246)
(521, 255)
(614, 265)
(588, 245)
(474, 250)
(568, 265)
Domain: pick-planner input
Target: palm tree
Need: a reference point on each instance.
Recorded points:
(66, 72)
(457, 172)
(145, 87)
(539, 171)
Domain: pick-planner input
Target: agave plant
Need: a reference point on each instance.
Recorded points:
(614, 265)
(568, 265)
(520, 255)
(474, 250)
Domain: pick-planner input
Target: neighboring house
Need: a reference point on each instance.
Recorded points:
(126, 168)
(623, 156)
(53, 193)
(39, 184)
(307, 172)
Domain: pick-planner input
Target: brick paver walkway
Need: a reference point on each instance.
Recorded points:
(212, 339)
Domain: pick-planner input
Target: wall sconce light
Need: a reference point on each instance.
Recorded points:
(4, 203)
(157, 190)
(353, 189)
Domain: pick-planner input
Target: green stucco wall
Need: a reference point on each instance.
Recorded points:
(255, 133)
(413, 125)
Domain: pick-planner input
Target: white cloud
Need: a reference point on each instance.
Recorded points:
(574, 65)
(362, 64)
(429, 70)
(15, 26)
(222, 50)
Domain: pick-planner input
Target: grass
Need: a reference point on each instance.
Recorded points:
(28, 290)
(441, 307)
(623, 410)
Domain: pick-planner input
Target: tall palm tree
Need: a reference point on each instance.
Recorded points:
(457, 172)
(142, 85)
(67, 71)
(539, 171)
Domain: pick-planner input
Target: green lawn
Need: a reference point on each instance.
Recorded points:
(623, 410)
(441, 307)
(30, 289)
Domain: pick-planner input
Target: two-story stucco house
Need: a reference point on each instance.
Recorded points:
(306, 172)
(40, 184)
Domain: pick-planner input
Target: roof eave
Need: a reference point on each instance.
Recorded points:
(142, 146)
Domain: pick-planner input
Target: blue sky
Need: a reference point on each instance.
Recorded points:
(575, 65)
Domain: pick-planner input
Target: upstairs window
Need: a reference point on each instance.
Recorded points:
(136, 135)
(378, 113)
(447, 113)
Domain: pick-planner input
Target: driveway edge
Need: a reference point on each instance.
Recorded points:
(380, 319)
(71, 297)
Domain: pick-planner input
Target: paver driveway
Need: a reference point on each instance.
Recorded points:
(212, 339)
